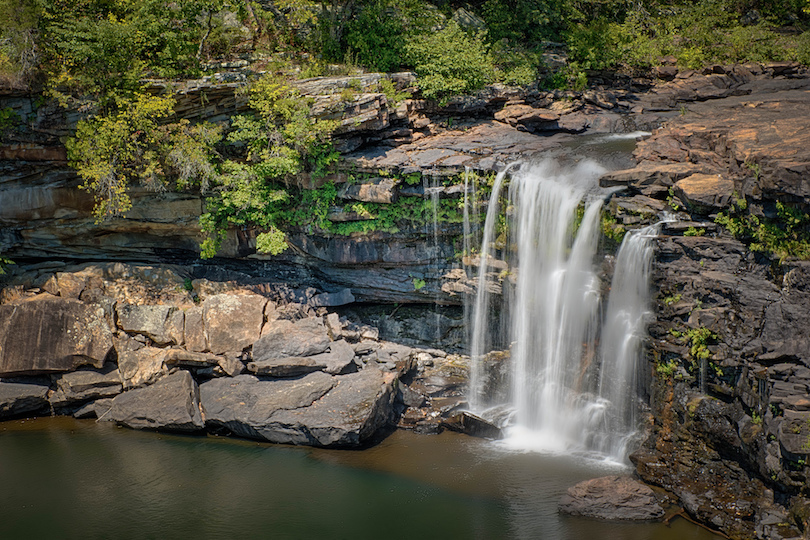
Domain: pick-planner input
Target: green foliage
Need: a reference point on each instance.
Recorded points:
(280, 140)
(133, 146)
(386, 86)
(692, 231)
(449, 62)
(611, 229)
(784, 237)
(4, 264)
(667, 370)
(8, 120)
(18, 47)
(674, 299)
(698, 340)
(418, 284)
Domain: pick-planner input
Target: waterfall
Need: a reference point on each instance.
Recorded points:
(623, 335)
(565, 392)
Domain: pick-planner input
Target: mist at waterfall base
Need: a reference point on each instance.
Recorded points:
(571, 381)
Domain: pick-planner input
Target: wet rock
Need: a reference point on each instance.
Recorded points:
(86, 384)
(233, 322)
(23, 396)
(317, 409)
(283, 338)
(49, 334)
(171, 404)
(611, 498)
(471, 424)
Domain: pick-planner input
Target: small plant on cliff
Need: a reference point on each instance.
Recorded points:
(692, 231)
(418, 284)
(4, 263)
(698, 340)
(786, 236)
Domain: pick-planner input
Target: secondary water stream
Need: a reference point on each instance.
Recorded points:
(66, 478)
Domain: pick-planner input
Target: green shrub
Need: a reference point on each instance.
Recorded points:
(449, 62)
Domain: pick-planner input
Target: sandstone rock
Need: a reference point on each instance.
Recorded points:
(142, 366)
(171, 404)
(377, 190)
(86, 384)
(194, 330)
(339, 359)
(612, 498)
(18, 397)
(49, 334)
(154, 322)
(317, 410)
(528, 117)
(233, 322)
(705, 192)
(282, 338)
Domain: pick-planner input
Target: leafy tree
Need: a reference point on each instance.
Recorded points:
(450, 62)
(136, 146)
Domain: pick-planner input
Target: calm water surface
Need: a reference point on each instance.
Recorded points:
(66, 478)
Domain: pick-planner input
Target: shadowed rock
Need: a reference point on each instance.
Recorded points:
(86, 384)
(613, 498)
(171, 404)
(21, 397)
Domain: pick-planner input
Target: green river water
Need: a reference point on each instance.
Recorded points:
(64, 478)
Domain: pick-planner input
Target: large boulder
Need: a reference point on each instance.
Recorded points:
(171, 404)
(233, 321)
(162, 324)
(316, 410)
(19, 397)
(282, 338)
(49, 334)
(613, 498)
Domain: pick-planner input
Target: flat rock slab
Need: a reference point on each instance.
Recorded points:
(51, 334)
(316, 410)
(22, 397)
(611, 498)
(86, 384)
(171, 404)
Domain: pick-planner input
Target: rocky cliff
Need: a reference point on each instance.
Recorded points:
(728, 375)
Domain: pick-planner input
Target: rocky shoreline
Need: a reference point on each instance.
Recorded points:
(262, 349)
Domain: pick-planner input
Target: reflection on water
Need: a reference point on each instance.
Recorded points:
(64, 478)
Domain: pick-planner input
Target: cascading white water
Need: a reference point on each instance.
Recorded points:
(560, 396)
(623, 335)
